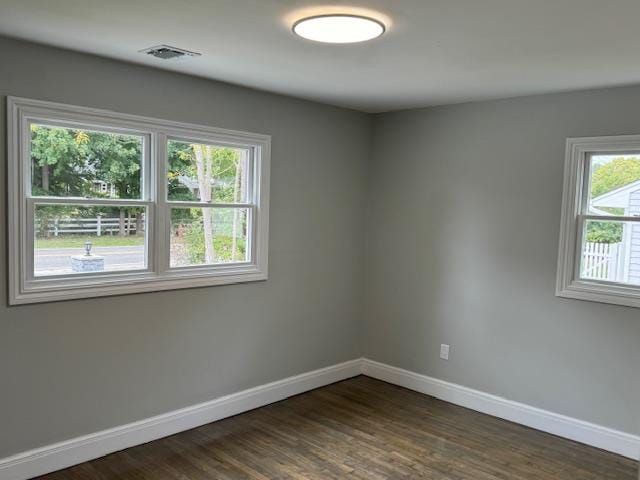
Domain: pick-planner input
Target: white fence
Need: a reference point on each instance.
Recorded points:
(603, 261)
(98, 226)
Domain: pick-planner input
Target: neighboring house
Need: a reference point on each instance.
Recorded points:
(192, 183)
(106, 188)
(189, 182)
(624, 260)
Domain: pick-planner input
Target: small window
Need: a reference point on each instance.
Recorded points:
(106, 203)
(599, 257)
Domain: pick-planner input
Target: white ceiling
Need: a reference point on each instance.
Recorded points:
(434, 51)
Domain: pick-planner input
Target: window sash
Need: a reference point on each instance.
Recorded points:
(251, 234)
(585, 190)
(29, 274)
(581, 239)
(26, 288)
(251, 164)
(146, 187)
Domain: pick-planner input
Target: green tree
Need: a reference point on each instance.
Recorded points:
(67, 162)
(58, 156)
(614, 174)
(116, 160)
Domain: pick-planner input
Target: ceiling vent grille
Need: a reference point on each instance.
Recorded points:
(165, 52)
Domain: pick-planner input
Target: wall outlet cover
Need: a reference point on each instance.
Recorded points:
(444, 351)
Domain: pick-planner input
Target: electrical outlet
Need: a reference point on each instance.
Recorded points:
(444, 351)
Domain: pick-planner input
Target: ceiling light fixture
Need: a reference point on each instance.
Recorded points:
(338, 28)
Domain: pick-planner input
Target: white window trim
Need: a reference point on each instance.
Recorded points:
(574, 198)
(158, 276)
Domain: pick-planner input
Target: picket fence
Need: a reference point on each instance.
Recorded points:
(603, 261)
(98, 226)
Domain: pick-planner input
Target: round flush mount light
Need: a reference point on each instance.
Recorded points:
(338, 28)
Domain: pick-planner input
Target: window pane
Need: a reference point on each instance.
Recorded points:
(611, 251)
(68, 162)
(116, 237)
(615, 185)
(207, 173)
(208, 236)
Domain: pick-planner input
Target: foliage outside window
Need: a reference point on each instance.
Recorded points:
(109, 203)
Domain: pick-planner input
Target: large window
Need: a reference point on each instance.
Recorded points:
(599, 257)
(103, 203)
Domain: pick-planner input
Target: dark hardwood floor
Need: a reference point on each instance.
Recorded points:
(358, 429)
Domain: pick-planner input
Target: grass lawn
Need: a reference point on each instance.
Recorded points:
(77, 241)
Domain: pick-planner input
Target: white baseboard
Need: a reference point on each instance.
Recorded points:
(584, 432)
(81, 449)
(77, 450)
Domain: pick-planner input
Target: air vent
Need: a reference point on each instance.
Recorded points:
(165, 52)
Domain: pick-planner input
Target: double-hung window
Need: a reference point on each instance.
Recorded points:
(599, 253)
(102, 203)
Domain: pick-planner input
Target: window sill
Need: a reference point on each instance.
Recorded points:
(602, 292)
(42, 290)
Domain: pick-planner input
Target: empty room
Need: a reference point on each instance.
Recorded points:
(289, 239)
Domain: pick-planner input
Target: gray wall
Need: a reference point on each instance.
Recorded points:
(463, 220)
(75, 367)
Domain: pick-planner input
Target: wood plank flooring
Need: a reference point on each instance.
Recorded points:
(360, 428)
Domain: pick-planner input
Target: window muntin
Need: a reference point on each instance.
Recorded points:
(599, 254)
(109, 168)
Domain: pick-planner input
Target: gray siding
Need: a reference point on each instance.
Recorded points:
(634, 239)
